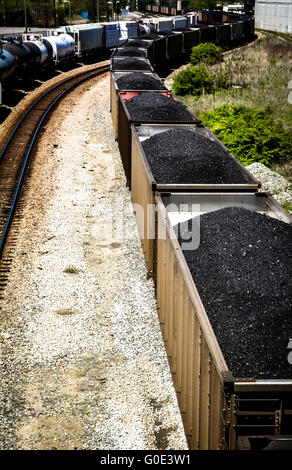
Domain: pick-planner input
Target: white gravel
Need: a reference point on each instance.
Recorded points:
(83, 360)
(272, 182)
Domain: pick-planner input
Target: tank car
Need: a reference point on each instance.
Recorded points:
(38, 51)
(20, 52)
(61, 46)
(7, 64)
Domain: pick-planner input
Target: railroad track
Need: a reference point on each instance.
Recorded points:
(16, 154)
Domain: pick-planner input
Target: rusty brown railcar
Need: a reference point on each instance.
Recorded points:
(217, 408)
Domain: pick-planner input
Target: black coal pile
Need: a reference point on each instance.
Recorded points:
(130, 52)
(149, 107)
(150, 36)
(129, 63)
(139, 81)
(242, 270)
(183, 157)
(166, 33)
(137, 43)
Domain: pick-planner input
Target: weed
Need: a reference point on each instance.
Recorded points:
(66, 311)
(71, 270)
(287, 206)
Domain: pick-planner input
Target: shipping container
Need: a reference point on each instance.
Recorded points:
(179, 22)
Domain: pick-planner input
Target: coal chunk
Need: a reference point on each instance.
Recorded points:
(183, 157)
(242, 270)
(130, 63)
(130, 52)
(137, 43)
(149, 107)
(139, 81)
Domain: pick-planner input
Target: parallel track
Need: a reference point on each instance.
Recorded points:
(16, 155)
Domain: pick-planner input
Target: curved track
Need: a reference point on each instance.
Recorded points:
(15, 156)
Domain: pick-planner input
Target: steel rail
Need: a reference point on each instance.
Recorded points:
(21, 179)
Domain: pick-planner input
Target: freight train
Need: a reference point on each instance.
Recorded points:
(28, 54)
(223, 295)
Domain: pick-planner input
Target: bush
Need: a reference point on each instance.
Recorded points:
(192, 81)
(196, 79)
(250, 134)
(207, 53)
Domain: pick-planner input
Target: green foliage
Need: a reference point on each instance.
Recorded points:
(196, 80)
(192, 81)
(207, 52)
(287, 206)
(71, 270)
(250, 134)
(194, 4)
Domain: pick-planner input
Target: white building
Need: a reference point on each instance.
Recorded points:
(274, 16)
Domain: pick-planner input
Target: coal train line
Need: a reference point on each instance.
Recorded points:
(223, 301)
(16, 154)
(29, 54)
(223, 406)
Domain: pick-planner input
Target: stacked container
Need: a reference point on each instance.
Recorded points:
(129, 29)
(111, 34)
(179, 22)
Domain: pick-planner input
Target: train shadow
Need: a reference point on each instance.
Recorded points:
(4, 113)
(18, 88)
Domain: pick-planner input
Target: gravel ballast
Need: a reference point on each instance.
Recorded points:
(139, 81)
(130, 52)
(272, 182)
(149, 107)
(83, 363)
(242, 270)
(183, 157)
(130, 63)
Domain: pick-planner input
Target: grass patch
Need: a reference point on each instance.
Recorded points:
(66, 311)
(287, 206)
(258, 75)
(71, 270)
(284, 170)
